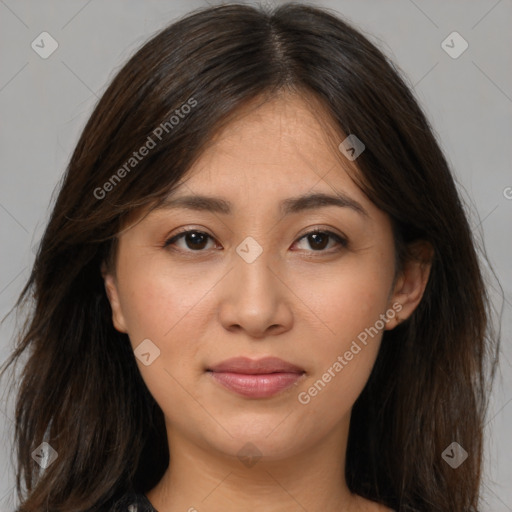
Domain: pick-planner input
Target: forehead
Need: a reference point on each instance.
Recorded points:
(276, 156)
(286, 145)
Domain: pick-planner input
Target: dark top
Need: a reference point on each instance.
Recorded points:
(133, 502)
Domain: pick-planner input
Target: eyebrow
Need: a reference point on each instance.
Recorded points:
(287, 206)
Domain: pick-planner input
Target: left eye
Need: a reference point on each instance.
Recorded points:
(196, 240)
(318, 239)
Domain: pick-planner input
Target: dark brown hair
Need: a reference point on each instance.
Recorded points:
(81, 390)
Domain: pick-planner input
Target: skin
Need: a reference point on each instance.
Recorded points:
(295, 301)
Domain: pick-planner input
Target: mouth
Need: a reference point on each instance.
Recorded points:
(261, 378)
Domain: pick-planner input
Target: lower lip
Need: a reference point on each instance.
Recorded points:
(256, 386)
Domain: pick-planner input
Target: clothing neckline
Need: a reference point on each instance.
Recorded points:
(148, 503)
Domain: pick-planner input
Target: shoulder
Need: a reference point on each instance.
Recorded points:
(132, 502)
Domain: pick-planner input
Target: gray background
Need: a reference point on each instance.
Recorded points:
(44, 104)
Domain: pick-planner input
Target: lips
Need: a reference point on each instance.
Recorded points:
(255, 366)
(260, 378)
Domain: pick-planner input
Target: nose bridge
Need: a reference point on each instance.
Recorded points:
(253, 298)
(253, 270)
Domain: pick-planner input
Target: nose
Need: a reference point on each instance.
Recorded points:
(255, 299)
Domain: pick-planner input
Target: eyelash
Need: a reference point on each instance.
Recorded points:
(343, 242)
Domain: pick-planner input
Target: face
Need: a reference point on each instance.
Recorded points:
(260, 274)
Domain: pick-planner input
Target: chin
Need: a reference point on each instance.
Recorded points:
(249, 437)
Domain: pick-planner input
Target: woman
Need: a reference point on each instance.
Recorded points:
(258, 288)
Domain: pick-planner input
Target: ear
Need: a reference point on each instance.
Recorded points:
(109, 279)
(411, 282)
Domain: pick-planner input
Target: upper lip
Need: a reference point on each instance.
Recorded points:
(255, 366)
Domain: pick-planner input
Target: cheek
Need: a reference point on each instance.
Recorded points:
(331, 394)
(345, 355)
(348, 298)
(157, 298)
(167, 308)
(349, 303)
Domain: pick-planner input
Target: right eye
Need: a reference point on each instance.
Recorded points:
(193, 240)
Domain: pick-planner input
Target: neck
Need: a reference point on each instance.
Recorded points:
(201, 479)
